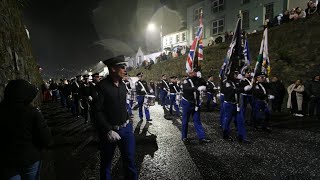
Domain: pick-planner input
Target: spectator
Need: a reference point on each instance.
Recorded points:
(293, 15)
(295, 99)
(278, 90)
(301, 14)
(23, 134)
(311, 9)
(313, 91)
(285, 17)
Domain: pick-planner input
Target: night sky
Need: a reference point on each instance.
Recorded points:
(77, 34)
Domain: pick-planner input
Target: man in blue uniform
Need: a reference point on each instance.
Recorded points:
(246, 96)
(142, 89)
(230, 106)
(174, 89)
(164, 89)
(112, 121)
(191, 104)
(260, 91)
(211, 93)
(128, 99)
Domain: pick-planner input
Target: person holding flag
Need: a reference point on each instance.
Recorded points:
(230, 87)
(192, 86)
(191, 106)
(260, 88)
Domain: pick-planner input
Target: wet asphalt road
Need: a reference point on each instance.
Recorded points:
(291, 151)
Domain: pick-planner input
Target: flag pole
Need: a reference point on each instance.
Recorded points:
(200, 41)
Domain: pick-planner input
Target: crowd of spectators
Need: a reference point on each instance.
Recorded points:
(294, 14)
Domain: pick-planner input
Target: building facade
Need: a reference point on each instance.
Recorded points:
(175, 39)
(220, 16)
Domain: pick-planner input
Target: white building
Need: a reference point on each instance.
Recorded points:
(175, 39)
(220, 16)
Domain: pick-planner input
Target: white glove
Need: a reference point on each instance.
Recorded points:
(270, 96)
(247, 88)
(151, 90)
(90, 98)
(267, 80)
(202, 88)
(113, 136)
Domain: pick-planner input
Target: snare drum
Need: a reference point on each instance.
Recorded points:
(133, 95)
(149, 100)
(178, 97)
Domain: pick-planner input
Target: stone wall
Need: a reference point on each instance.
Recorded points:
(16, 59)
(294, 51)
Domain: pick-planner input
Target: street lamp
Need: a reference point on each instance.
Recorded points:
(151, 28)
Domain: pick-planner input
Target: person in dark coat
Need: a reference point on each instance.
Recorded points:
(23, 133)
(278, 90)
(313, 90)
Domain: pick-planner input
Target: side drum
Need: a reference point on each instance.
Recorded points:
(133, 96)
(149, 100)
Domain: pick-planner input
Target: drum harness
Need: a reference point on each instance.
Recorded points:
(167, 86)
(143, 89)
(129, 92)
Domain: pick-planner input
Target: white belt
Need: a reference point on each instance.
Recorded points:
(230, 102)
(172, 93)
(246, 94)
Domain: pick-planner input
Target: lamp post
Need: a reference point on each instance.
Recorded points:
(152, 27)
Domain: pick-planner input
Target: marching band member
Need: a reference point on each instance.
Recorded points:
(190, 106)
(164, 89)
(246, 96)
(231, 109)
(211, 91)
(112, 121)
(142, 89)
(174, 89)
(260, 91)
(128, 99)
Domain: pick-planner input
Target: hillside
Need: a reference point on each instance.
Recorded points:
(294, 51)
(16, 59)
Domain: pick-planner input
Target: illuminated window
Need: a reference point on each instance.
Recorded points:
(184, 37)
(178, 38)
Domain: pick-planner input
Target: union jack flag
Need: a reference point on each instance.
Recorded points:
(190, 59)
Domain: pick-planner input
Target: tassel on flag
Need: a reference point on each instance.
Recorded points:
(263, 62)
